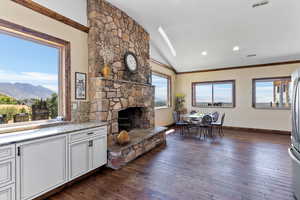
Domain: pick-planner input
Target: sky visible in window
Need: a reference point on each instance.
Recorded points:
(222, 93)
(204, 93)
(23, 61)
(264, 92)
(161, 88)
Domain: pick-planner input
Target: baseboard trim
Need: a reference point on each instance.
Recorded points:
(258, 130)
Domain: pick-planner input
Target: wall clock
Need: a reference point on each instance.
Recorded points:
(131, 62)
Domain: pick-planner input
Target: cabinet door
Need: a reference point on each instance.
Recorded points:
(7, 193)
(7, 152)
(79, 158)
(7, 172)
(41, 166)
(99, 152)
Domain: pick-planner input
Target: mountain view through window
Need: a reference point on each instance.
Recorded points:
(28, 80)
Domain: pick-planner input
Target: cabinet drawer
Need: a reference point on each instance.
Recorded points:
(7, 172)
(87, 134)
(7, 192)
(7, 152)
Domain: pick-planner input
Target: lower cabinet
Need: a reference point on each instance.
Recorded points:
(79, 158)
(7, 192)
(7, 172)
(87, 155)
(33, 168)
(99, 152)
(41, 166)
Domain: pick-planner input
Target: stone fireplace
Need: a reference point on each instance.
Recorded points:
(110, 98)
(124, 100)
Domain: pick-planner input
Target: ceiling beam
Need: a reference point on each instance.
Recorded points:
(52, 14)
(242, 67)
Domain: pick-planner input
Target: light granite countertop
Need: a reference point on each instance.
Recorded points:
(22, 136)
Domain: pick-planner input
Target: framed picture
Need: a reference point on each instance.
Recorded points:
(80, 86)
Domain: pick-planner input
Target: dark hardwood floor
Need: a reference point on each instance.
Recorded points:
(240, 166)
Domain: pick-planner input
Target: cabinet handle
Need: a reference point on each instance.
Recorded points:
(18, 151)
(91, 133)
(91, 143)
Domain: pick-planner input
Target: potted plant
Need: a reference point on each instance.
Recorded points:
(179, 104)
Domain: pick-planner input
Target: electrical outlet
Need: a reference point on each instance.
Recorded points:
(74, 106)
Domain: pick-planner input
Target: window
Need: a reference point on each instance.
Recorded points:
(162, 89)
(32, 65)
(273, 93)
(214, 94)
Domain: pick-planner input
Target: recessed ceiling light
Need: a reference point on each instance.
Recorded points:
(167, 40)
(204, 53)
(236, 48)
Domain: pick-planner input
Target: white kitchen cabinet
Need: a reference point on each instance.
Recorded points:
(7, 172)
(79, 158)
(99, 152)
(41, 166)
(7, 152)
(86, 134)
(87, 154)
(7, 192)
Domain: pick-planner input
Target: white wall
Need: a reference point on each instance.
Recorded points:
(243, 115)
(73, 9)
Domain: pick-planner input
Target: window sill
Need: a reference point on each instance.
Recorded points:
(271, 108)
(30, 126)
(212, 107)
(163, 107)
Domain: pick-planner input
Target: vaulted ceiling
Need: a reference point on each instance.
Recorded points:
(271, 32)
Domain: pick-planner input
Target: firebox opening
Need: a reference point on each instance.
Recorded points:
(130, 118)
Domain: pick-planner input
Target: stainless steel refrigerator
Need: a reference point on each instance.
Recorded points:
(294, 151)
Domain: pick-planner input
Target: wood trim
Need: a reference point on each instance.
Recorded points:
(214, 82)
(45, 39)
(68, 82)
(242, 67)
(257, 130)
(254, 91)
(164, 65)
(52, 14)
(170, 88)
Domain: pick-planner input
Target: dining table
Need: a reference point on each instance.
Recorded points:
(196, 117)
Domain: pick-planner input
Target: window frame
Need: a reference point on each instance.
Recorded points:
(212, 83)
(169, 78)
(64, 70)
(254, 92)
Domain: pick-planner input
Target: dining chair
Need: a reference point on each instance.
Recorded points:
(193, 112)
(219, 125)
(215, 116)
(182, 125)
(205, 126)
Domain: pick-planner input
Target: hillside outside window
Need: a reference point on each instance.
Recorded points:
(29, 80)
